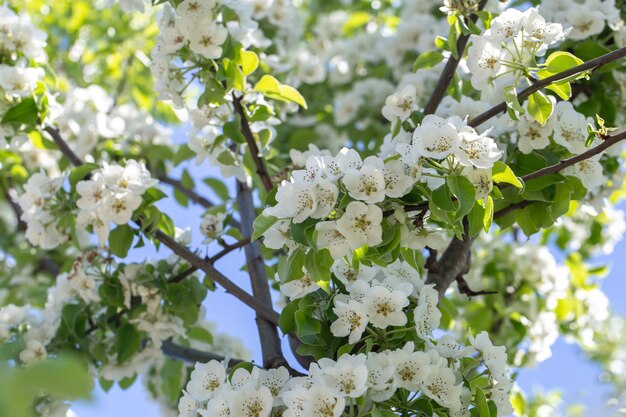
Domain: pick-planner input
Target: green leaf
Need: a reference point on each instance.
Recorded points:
(128, 342)
(510, 97)
(120, 240)
(562, 198)
(152, 195)
(306, 325)
(79, 173)
(201, 334)
(560, 61)
(526, 220)
(218, 187)
(563, 90)
(290, 268)
(501, 172)
(182, 154)
(262, 224)
(249, 62)
(539, 107)
(318, 264)
(271, 88)
(481, 403)
(427, 60)
(287, 319)
(463, 190)
(25, 112)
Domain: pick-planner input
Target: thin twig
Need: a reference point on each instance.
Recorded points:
(552, 169)
(63, 147)
(11, 197)
(261, 169)
(187, 192)
(516, 206)
(448, 71)
(522, 95)
(465, 289)
(225, 251)
(192, 195)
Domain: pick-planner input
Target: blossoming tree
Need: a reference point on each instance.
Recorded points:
(419, 189)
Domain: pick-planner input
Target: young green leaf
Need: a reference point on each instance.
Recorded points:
(540, 107)
(272, 88)
(262, 224)
(427, 60)
(502, 173)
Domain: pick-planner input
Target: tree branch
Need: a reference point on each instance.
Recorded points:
(261, 308)
(63, 147)
(187, 192)
(454, 262)
(552, 169)
(225, 251)
(448, 72)
(268, 333)
(522, 95)
(187, 354)
(261, 169)
(11, 197)
(192, 195)
(464, 288)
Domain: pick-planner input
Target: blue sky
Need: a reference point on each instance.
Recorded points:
(567, 369)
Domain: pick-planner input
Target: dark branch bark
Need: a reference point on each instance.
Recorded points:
(261, 169)
(520, 205)
(176, 351)
(225, 251)
(552, 169)
(464, 288)
(522, 95)
(259, 307)
(187, 192)
(454, 262)
(63, 147)
(11, 197)
(268, 333)
(192, 195)
(448, 72)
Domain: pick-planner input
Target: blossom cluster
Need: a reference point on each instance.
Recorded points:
(331, 385)
(90, 114)
(313, 193)
(586, 18)
(509, 47)
(40, 206)
(21, 43)
(111, 194)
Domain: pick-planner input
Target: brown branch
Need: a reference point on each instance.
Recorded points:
(11, 197)
(192, 195)
(552, 169)
(506, 210)
(188, 354)
(261, 169)
(522, 95)
(63, 147)
(225, 251)
(187, 192)
(455, 261)
(448, 72)
(266, 312)
(261, 309)
(268, 333)
(465, 289)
